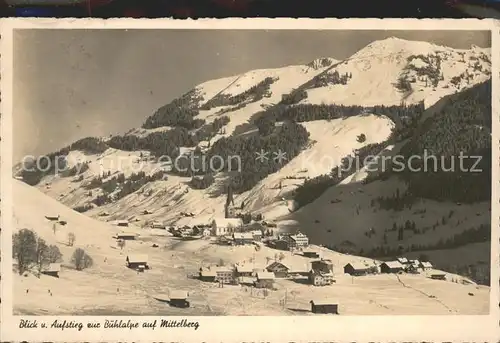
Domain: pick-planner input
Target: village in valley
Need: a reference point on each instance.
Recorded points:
(104, 226)
(212, 265)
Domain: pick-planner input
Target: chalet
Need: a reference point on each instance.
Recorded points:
(426, 265)
(310, 254)
(52, 218)
(296, 241)
(207, 274)
(147, 212)
(278, 269)
(391, 267)
(224, 275)
(323, 265)
(127, 236)
(179, 299)
(257, 235)
(438, 276)
(321, 273)
(121, 222)
(244, 270)
(264, 280)
(139, 262)
(224, 226)
(324, 306)
(356, 269)
(321, 278)
(52, 269)
(241, 238)
(299, 240)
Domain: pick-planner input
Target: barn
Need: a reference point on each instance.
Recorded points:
(356, 269)
(179, 298)
(244, 270)
(264, 280)
(324, 306)
(207, 275)
(438, 276)
(137, 261)
(310, 254)
(391, 267)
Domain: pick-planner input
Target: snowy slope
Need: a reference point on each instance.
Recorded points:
(375, 70)
(123, 291)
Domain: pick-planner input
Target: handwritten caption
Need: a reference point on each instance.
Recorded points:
(109, 324)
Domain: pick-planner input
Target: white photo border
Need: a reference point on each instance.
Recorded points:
(250, 328)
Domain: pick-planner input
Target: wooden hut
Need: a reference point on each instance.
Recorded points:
(136, 261)
(179, 299)
(52, 269)
(324, 306)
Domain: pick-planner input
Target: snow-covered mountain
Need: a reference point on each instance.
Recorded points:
(376, 102)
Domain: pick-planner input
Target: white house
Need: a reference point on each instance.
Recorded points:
(225, 226)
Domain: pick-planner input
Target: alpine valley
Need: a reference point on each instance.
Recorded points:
(295, 131)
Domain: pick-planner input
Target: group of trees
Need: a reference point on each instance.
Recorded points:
(253, 94)
(120, 187)
(181, 112)
(31, 251)
(33, 171)
(479, 234)
(396, 202)
(461, 128)
(431, 69)
(327, 79)
(289, 139)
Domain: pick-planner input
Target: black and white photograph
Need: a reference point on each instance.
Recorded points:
(250, 172)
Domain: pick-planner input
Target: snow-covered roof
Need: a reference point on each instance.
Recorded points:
(265, 276)
(208, 272)
(426, 264)
(53, 267)
(178, 294)
(126, 234)
(326, 301)
(393, 264)
(244, 268)
(277, 264)
(137, 258)
(402, 260)
(358, 266)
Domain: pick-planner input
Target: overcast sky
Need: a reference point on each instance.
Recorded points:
(70, 84)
